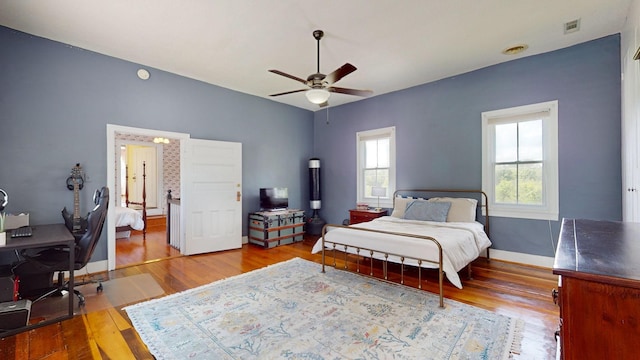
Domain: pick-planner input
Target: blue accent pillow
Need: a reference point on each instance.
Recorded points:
(427, 211)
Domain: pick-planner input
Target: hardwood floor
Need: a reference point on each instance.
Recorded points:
(509, 289)
(136, 250)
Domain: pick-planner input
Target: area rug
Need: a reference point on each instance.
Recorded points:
(291, 310)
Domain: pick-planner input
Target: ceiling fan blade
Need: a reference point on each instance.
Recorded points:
(288, 92)
(339, 73)
(350, 91)
(289, 76)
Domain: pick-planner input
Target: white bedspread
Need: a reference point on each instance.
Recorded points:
(461, 242)
(130, 217)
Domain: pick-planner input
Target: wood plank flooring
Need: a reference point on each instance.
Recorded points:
(510, 289)
(136, 250)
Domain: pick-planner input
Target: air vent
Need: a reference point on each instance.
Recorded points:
(514, 50)
(572, 26)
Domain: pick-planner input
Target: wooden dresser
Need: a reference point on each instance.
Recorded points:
(599, 293)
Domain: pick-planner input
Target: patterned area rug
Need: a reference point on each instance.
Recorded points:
(293, 311)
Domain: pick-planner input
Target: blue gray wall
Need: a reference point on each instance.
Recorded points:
(56, 100)
(438, 134)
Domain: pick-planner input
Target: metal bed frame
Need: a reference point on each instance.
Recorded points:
(483, 209)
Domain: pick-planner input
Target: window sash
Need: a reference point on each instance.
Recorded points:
(382, 169)
(525, 197)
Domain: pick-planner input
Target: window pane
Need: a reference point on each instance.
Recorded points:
(383, 152)
(506, 177)
(371, 154)
(530, 184)
(530, 136)
(375, 177)
(506, 142)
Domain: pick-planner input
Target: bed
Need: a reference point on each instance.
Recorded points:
(127, 218)
(435, 229)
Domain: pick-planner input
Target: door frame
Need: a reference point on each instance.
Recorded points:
(111, 177)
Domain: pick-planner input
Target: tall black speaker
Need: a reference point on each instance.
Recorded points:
(315, 223)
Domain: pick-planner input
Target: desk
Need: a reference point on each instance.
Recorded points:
(45, 236)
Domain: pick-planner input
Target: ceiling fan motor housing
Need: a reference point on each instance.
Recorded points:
(316, 81)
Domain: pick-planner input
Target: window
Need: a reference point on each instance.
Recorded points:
(376, 154)
(520, 161)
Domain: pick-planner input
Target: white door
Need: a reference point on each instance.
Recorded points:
(211, 198)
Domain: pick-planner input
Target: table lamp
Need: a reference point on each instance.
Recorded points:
(378, 191)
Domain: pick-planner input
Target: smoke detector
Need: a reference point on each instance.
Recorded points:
(571, 26)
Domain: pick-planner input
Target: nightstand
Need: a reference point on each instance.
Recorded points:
(358, 216)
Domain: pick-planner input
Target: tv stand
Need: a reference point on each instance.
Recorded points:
(273, 228)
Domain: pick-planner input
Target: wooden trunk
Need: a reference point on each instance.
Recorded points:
(270, 229)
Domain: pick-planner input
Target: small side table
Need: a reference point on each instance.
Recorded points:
(359, 216)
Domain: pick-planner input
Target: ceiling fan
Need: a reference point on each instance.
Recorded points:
(320, 85)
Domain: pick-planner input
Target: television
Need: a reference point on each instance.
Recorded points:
(274, 199)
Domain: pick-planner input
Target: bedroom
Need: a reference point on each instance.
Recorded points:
(57, 99)
(437, 121)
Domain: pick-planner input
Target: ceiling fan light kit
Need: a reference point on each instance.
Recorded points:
(317, 96)
(320, 84)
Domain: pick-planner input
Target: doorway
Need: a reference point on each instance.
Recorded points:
(139, 188)
(140, 169)
(128, 149)
(209, 176)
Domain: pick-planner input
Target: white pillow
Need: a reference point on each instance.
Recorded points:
(400, 206)
(462, 209)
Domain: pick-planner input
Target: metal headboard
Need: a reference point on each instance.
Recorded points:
(481, 196)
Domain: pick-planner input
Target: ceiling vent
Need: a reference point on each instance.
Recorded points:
(572, 26)
(514, 50)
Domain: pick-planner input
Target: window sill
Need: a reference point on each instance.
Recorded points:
(531, 215)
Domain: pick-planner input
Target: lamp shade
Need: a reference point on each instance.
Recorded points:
(317, 96)
(378, 191)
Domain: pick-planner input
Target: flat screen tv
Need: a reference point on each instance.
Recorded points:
(274, 199)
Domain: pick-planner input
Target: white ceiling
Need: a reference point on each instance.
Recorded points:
(394, 44)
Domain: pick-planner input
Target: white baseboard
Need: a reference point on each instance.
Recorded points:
(528, 259)
(245, 240)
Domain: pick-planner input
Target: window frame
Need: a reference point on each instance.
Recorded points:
(549, 210)
(361, 138)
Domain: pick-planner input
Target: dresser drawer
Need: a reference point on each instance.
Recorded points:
(359, 216)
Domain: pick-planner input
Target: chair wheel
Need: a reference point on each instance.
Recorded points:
(100, 288)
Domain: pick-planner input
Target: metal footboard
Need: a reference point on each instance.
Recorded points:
(365, 252)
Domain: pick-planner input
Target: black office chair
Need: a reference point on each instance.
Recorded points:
(36, 271)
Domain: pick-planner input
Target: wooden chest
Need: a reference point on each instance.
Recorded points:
(273, 228)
